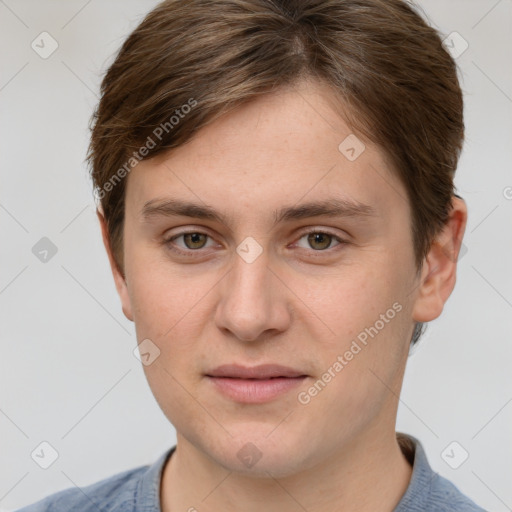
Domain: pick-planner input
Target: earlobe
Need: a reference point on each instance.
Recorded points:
(119, 279)
(440, 266)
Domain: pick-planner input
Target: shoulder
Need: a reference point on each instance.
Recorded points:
(114, 493)
(428, 491)
(446, 497)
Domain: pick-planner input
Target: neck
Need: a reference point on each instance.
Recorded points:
(368, 473)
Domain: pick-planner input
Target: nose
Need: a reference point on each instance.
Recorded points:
(253, 302)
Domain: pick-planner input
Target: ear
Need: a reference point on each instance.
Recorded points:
(119, 279)
(440, 265)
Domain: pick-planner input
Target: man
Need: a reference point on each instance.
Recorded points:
(276, 201)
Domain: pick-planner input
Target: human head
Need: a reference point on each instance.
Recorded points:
(185, 96)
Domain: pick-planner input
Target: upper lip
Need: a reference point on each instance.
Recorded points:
(263, 371)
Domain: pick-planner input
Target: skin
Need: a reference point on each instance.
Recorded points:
(298, 304)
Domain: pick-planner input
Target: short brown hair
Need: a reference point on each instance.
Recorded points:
(397, 86)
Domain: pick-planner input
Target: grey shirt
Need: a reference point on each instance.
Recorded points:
(138, 489)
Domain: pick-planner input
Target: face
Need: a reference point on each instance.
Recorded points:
(270, 280)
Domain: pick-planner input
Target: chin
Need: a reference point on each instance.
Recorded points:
(254, 453)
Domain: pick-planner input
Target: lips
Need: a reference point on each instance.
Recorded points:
(254, 385)
(264, 371)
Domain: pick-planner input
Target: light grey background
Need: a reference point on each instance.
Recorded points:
(68, 373)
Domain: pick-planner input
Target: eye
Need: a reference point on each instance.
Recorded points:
(320, 240)
(193, 240)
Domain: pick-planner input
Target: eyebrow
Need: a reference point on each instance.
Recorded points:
(332, 207)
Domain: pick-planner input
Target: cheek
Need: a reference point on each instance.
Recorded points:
(362, 317)
(348, 301)
(172, 308)
(162, 298)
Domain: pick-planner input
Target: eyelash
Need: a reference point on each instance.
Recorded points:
(188, 252)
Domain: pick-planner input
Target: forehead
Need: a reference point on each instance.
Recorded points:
(288, 147)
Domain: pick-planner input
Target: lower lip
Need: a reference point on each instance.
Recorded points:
(255, 391)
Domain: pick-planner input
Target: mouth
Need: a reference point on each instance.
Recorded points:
(256, 384)
(262, 371)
